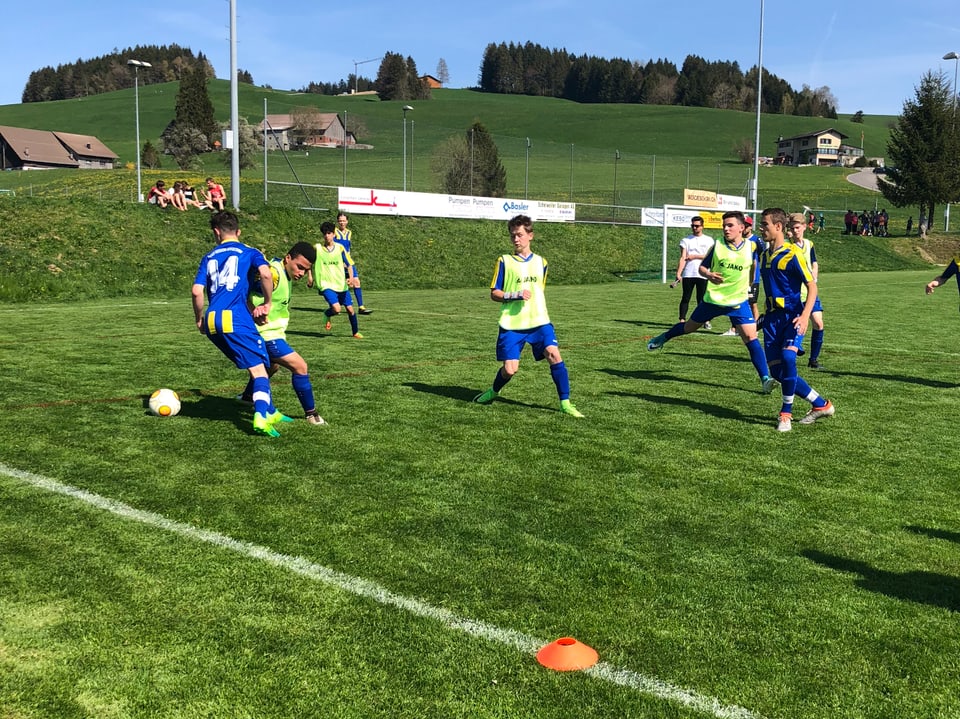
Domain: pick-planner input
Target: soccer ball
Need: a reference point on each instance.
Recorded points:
(164, 403)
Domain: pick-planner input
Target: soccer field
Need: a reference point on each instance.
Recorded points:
(409, 558)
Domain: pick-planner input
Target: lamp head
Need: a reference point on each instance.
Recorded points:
(139, 63)
(951, 56)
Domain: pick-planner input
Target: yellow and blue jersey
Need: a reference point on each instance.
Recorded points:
(344, 237)
(227, 273)
(784, 272)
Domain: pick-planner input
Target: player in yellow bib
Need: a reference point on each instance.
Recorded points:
(729, 268)
(273, 330)
(519, 281)
(335, 275)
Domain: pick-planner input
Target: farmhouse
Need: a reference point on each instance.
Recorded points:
(23, 149)
(307, 129)
(825, 147)
(432, 82)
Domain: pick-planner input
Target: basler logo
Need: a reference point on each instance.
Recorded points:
(511, 206)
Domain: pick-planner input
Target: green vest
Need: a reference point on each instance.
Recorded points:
(734, 264)
(275, 327)
(519, 275)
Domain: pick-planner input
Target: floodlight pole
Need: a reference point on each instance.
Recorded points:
(406, 109)
(526, 171)
(756, 148)
(953, 125)
(234, 110)
(137, 64)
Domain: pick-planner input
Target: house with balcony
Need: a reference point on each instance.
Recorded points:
(825, 147)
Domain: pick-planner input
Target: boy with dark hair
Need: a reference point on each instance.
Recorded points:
(295, 265)
(224, 276)
(335, 276)
(519, 281)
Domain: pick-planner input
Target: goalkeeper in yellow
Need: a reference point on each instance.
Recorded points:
(519, 281)
(273, 329)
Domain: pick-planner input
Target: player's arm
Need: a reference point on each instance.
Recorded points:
(266, 287)
(196, 294)
(680, 265)
(350, 268)
(706, 270)
(952, 270)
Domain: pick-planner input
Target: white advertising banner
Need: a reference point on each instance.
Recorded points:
(364, 200)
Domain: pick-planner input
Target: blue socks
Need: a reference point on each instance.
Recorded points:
(562, 379)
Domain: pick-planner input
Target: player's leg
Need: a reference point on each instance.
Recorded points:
(546, 346)
(302, 387)
(816, 339)
(509, 346)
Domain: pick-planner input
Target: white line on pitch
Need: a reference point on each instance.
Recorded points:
(651, 686)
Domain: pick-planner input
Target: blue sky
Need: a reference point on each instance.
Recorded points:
(871, 53)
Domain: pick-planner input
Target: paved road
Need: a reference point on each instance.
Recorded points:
(865, 179)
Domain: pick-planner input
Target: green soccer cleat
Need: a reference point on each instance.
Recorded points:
(486, 397)
(656, 343)
(566, 406)
(278, 418)
(767, 384)
(263, 425)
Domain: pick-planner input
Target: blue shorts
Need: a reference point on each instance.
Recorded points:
(337, 298)
(278, 348)
(510, 342)
(245, 350)
(779, 332)
(739, 314)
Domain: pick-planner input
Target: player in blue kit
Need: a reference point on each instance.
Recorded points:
(784, 272)
(225, 276)
(519, 281)
(728, 267)
(953, 270)
(344, 236)
(796, 225)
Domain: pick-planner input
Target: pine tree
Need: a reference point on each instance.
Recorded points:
(193, 107)
(923, 150)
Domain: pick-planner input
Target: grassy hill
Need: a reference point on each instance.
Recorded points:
(572, 146)
(76, 234)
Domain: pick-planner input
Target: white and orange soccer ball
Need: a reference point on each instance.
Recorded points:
(164, 403)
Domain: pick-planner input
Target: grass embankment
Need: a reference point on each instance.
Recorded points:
(69, 249)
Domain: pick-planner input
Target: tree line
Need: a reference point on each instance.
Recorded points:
(110, 72)
(530, 69)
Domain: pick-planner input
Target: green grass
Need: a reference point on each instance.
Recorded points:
(803, 575)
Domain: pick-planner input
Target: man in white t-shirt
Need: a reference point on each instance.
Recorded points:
(693, 248)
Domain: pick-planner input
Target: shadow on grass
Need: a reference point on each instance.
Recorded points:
(220, 409)
(668, 376)
(716, 410)
(938, 590)
(463, 394)
(923, 381)
(644, 323)
(301, 333)
(935, 533)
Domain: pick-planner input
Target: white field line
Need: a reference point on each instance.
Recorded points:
(357, 586)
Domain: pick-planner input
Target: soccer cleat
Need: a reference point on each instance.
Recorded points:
(813, 364)
(314, 418)
(656, 343)
(767, 384)
(707, 326)
(364, 311)
(244, 399)
(814, 414)
(358, 336)
(801, 352)
(732, 332)
(278, 418)
(263, 425)
(566, 406)
(486, 397)
(786, 422)
(328, 326)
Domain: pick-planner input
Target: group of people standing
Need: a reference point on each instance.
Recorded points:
(726, 275)
(868, 223)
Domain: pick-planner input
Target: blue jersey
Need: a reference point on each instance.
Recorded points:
(953, 270)
(227, 272)
(343, 237)
(784, 272)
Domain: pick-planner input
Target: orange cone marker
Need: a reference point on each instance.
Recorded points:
(567, 655)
